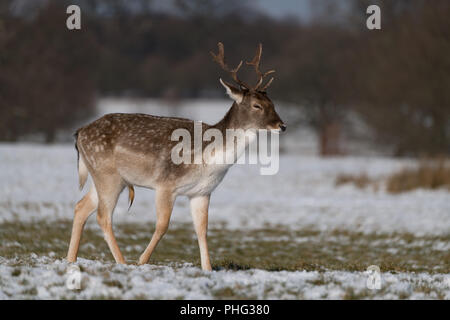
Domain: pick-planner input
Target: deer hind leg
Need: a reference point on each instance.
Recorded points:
(108, 193)
(84, 208)
(199, 211)
(164, 205)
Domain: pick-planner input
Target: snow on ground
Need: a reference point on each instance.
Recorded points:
(50, 279)
(38, 182)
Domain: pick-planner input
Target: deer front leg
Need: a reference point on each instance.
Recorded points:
(164, 204)
(199, 211)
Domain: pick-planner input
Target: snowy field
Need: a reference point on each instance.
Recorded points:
(40, 182)
(292, 235)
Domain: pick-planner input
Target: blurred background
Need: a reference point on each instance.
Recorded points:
(364, 173)
(342, 89)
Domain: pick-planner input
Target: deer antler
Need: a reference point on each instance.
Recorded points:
(255, 63)
(220, 59)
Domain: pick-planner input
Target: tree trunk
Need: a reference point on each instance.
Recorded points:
(330, 139)
(50, 136)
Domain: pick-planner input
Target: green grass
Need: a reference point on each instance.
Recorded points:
(272, 249)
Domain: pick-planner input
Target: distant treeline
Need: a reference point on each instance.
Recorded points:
(396, 79)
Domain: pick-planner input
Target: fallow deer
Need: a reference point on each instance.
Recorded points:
(125, 150)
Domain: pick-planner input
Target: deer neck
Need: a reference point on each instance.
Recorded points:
(230, 120)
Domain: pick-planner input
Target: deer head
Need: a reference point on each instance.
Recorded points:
(254, 109)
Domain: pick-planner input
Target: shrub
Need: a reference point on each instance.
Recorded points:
(430, 174)
(361, 180)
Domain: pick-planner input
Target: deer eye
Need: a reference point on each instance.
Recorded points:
(257, 106)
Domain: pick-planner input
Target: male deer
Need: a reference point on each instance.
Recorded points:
(126, 150)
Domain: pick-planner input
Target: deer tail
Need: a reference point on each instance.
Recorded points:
(82, 172)
(130, 195)
(82, 169)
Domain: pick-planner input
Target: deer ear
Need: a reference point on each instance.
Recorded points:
(233, 93)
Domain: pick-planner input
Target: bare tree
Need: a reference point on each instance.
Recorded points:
(403, 79)
(46, 81)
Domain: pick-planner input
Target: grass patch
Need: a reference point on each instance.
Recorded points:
(16, 272)
(230, 265)
(360, 180)
(113, 283)
(272, 249)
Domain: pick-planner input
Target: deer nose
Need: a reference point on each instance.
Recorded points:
(283, 127)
